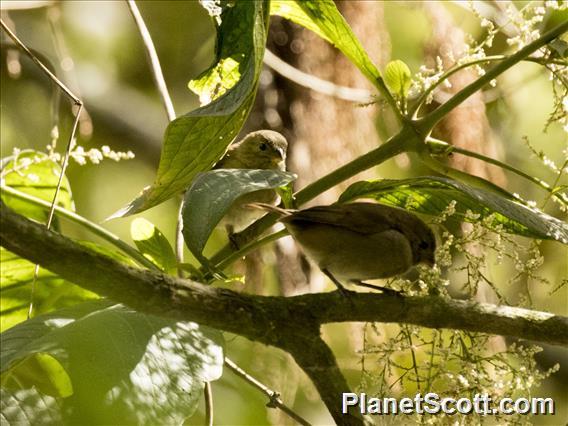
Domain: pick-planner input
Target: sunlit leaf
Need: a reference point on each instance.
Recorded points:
(153, 244)
(51, 291)
(125, 367)
(431, 195)
(323, 18)
(213, 192)
(195, 141)
(398, 78)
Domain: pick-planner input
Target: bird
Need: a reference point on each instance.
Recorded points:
(360, 241)
(262, 149)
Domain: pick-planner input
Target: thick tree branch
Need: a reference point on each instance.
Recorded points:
(290, 323)
(261, 318)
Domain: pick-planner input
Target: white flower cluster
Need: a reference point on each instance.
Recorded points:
(525, 23)
(94, 155)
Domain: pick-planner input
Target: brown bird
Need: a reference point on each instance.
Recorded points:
(360, 241)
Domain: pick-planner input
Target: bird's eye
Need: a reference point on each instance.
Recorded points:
(262, 146)
(423, 245)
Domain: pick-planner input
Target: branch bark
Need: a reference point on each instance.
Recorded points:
(289, 323)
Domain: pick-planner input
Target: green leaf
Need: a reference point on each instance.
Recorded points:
(51, 291)
(323, 18)
(398, 78)
(125, 367)
(431, 195)
(153, 244)
(195, 141)
(34, 173)
(212, 194)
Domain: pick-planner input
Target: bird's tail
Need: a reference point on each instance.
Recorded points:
(270, 208)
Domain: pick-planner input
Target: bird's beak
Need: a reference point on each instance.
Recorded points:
(281, 153)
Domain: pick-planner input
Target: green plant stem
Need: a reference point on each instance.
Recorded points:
(420, 101)
(405, 141)
(446, 149)
(427, 123)
(92, 227)
(251, 247)
(379, 83)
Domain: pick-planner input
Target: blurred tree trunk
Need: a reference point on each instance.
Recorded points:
(324, 133)
(467, 126)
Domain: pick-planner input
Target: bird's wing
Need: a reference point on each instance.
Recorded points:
(357, 218)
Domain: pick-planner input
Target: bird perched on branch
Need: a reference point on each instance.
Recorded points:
(263, 149)
(360, 241)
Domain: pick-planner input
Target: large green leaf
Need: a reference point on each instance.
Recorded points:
(431, 195)
(212, 194)
(195, 141)
(36, 174)
(51, 291)
(323, 18)
(124, 367)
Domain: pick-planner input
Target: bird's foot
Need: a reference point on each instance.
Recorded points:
(340, 287)
(234, 241)
(384, 290)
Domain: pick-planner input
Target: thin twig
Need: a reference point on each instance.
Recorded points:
(208, 396)
(44, 68)
(314, 83)
(154, 61)
(275, 401)
(65, 160)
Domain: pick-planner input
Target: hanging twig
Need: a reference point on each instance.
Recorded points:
(154, 61)
(274, 397)
(312, 82)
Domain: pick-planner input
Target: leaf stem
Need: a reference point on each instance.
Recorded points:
(251, 247)
(87, 224)
(446, 148)
(427, 123)
(404, 141)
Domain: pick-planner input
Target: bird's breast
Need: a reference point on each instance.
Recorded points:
(350, 255)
